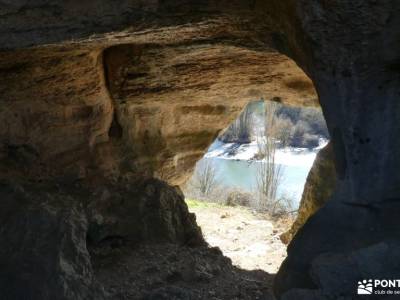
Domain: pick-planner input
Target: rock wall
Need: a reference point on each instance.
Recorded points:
(318, 189)
(97, 97)
(99, 90)
(50, 233)
(44, 253)
(349, 49)
(54, 109)
(135, 103)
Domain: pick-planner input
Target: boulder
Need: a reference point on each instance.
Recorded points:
(318, 188)
(151, 211)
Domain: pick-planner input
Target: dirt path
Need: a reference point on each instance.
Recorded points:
(249, 239)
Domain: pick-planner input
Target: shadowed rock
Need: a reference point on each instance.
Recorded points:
(96, 90)
(45, 228)
(149, 212)
(43, 253)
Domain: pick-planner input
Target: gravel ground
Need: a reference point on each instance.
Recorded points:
(249, 239)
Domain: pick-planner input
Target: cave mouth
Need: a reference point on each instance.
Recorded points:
(247, 189)
(82, 131)
(167, 134)
(128, 223)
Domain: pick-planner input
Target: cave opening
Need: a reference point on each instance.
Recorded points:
(248, 191)
(94, 148)
(173, 102)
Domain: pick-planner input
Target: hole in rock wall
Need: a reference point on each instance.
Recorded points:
(133, 233)
(105, 111)
(246, 190)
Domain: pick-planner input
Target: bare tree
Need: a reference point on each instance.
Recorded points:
(270, 173)
(284, 129)
(241, 129)
(205, 177)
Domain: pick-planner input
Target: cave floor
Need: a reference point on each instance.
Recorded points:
(250, 239)
(244, 270)
(168, 272)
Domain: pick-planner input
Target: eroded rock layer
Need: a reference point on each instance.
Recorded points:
(69, 112)
(96, 96)
(145, 101)
(55, 109)
(172, 101)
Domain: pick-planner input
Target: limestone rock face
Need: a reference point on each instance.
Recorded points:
(317, 190)
(144, 94)
(54, 110)
(149, 212)
(337, 275)
(43, 253)
(49, 232)
(355, 73)
(375, 261)
(95, 90)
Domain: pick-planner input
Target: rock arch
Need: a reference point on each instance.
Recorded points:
(62, 116)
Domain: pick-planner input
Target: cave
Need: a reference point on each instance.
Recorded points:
(105, 108)
(248, 191)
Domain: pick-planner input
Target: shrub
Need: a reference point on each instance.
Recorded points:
(308, 125)
(310, 141)
(239, 198)
(284, 131)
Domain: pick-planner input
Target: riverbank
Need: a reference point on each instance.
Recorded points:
(237, 169)
(248, 152)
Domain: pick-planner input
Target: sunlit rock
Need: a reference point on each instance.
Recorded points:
(317, 190)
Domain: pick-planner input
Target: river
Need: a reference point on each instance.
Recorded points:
(236, 168)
